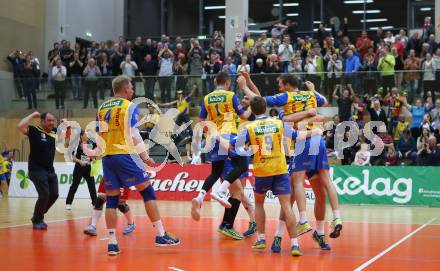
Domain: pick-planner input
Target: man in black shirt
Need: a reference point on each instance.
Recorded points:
(344, 104)
(40, 164)
(149, 68)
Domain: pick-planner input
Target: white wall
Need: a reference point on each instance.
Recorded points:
(104, 19)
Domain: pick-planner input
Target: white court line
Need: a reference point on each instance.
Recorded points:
(52, 221)
(372, 260)
(175, 269)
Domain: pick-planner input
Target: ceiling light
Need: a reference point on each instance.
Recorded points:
(222, 17)
(375, 20)
(425, 9)
(357, 1)
(287, 5)
(383, 27)
(292, 14)
(371, 11)
(215, 7)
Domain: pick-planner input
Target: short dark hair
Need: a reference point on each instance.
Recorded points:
(221, 78)
(258, 105)
(288, 79)
(44, 115)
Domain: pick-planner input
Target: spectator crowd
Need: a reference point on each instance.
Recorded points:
(389, 76)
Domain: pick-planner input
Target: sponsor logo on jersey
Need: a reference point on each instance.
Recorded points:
(216, 99)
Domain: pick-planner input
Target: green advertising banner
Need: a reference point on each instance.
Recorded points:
(418, 186)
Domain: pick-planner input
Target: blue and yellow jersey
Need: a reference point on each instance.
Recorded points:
(183, 106)
(120, 115)
(222, 107)
(3, 165)
(295, 101)
(267, 134)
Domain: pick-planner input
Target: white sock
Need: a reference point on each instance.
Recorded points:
(112, 236)
(224, 187)
(280, 228)
(293, 242)
(201, 195)
(96, 215)
(129, 217)
(159, 227)
(320, 227)
(336, 214)
(261, 236)
(302, 217)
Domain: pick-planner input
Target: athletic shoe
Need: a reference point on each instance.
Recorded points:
(251, 230)
(90, 230)
(260, 244)
(222, 198)
(231, 233)
(113, 249)
(336, 228)
(68, 207)
(303, 228)
(166, 240)
(39, 226)
(129, 229)
(195, 209)
(320, 239)
(276, 245)
(296, 251)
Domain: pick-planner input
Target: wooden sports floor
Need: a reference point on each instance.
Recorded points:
(373, 238)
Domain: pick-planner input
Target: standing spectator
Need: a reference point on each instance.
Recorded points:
(422, 140)
(37, 70)
(358, 111)
(414, 43)
(51, 57)
(116, 59)
(166, 61)
(428, 68)
(231, 69)
(389, 38)
(248, 41)
(401, 126)
(375, 110)
(428, 29)
(412, 75)
(379, 36)
(406, 147)
(181, 72)
(106, 72)
(138, 51)
(59, 74)
(363, 43)
(386, 67)
(76, 67)
(417, 112)
(211, 68)
(370, 67)
(334, 69)
(272, 67)
(16, 60)
(403, 37)
(244, 66)
(81, 170)
(352, 66)
(40, 163)
(129, 68)
(394, 102)
(29, 82)
(66, 53)
(148, 73)
(91, 73)
(435, 115)
(294, 68)
(345, 102)
(398, 67)
(195, 64)
(285, 53)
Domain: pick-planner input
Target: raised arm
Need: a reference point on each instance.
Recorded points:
(23, 125)
(241, 81)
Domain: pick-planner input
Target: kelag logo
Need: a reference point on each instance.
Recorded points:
(23, 178)
(400, 190)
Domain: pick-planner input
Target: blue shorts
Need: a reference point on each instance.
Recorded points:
(312, 158)
(229, 166)
(3, 178)
(121, 170)
(216, 155)
(278, 184)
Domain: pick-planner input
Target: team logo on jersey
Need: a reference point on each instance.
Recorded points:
(301, 98)
(216, 99)
(266, 129)
(112, 104)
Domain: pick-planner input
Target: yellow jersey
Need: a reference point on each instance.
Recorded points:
(268, 135)
(222, 107)
(120, 115)
(183, 106)
(3, 165)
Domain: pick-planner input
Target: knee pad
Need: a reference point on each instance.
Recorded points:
(99, 203)
(123, 207)
(112, 202)
(148, 194)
